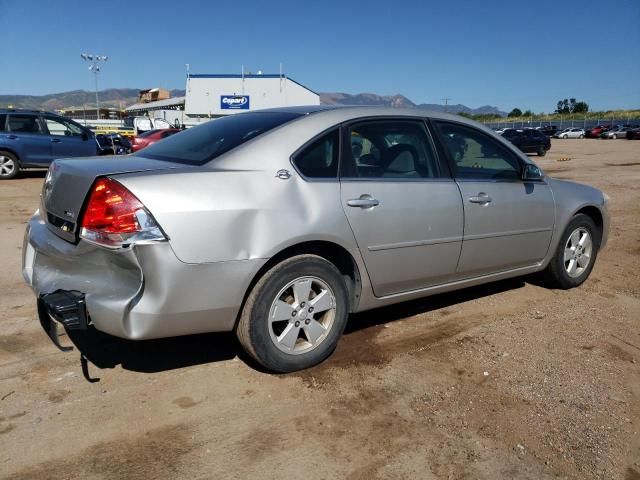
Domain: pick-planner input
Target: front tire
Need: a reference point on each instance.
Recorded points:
(576, 254)
(295, 314)
(9, 166)
(542, 151)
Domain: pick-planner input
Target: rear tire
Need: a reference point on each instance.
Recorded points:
(9, 166)
(279, 327)
(576, 254)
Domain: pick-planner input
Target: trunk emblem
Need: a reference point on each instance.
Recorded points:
(69, 214)
(283, 174)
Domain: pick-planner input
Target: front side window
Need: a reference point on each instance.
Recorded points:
(390, 149)
(477, 155)
(62, 128)
(24, 124)
(320, 159)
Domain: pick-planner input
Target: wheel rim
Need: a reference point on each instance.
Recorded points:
(577, 252)
(302, 315)
(7, 166)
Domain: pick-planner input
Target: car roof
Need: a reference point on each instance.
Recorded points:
(342, 113)
(25, 110)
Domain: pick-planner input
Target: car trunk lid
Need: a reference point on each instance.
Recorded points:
(69, 181)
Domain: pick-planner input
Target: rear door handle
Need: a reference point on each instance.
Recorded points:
(482, 198)
(365, 201)
(55, 140)
(12, 137)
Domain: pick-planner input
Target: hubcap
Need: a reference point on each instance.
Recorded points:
(577, 252)
(6, 166)
(302, 314)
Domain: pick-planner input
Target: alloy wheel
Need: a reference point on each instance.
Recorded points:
(7, 166)
(301, 315)
(577, 252)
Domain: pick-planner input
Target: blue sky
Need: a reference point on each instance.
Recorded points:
(505, 53)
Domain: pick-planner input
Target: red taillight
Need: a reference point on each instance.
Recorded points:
(111, 208)
(114, 217)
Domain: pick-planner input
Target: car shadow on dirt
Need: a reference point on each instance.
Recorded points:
(151, 356)
(371, 318)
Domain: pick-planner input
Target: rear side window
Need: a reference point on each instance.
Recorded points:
(23, 124)
(201, 144)
(3, 121)
(320, 159)
(398, 149)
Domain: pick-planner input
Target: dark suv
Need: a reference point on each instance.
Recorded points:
(528, 140)
(33, 139)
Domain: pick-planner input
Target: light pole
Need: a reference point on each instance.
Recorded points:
(94, 67)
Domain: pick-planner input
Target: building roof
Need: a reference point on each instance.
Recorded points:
(248, 75)
(169, 102)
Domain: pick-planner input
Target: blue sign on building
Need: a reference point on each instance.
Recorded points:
(234, 102)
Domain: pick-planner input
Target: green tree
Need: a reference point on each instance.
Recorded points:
(571, 105)
(516, 112)
(581, 107)
(527, 113)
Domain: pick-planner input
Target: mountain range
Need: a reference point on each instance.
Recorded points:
(122, 97)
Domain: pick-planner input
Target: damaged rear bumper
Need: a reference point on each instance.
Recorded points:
(138, 293)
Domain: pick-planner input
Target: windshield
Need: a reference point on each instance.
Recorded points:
(198, 145)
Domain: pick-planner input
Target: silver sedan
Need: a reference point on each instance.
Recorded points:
(278, 224)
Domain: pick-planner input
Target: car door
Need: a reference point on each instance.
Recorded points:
(68, 139)
(25, 136)
(508, 222)
(401, 203)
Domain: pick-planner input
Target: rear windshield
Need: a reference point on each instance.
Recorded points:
(198, 145)
(146, 134)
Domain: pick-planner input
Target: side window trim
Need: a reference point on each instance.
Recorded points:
(451, 162)
(311, 141)
(444, 172)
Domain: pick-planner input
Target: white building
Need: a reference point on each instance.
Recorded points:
(224, 94)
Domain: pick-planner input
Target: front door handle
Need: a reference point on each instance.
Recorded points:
(12, 137)
(482, 198)
(365, 201)
(55, 140)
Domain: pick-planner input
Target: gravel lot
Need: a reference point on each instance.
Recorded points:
(509, 380)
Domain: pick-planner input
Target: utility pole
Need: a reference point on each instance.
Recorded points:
(446, 102)
(94, 67)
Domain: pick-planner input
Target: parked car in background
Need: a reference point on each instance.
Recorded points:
(33, 139)
(152, 136)
(528, 140)
(595, 132)
(614, 133)
(633, 134)
(113, 144)
(570, 133)
(168, 241)
(548, 130)
(144, 124)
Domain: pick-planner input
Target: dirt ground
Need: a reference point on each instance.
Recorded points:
(509, 380)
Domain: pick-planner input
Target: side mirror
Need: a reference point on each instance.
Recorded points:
(532, 172)
(85, 136)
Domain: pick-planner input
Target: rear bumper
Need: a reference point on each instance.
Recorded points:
(139, 293)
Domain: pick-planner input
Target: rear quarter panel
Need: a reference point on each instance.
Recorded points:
(213, 216)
